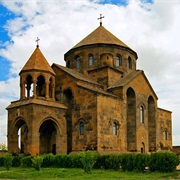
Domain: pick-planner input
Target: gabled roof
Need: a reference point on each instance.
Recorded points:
(101, 36)
(37, 61)
(123, 81)
(76, 74)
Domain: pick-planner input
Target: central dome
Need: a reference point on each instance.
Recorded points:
(100, 36)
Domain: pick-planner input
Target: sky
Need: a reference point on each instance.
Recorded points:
(151, 28)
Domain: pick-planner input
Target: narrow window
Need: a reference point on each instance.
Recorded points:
(114, 128)
(77, 62)
(81, 128)
(91, 60)
(141, 114)
(118, 60)
(68, 64)
(129, 63)
(165, 134)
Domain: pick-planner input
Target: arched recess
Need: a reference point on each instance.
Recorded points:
(48, 137)
(131, 120)
(152, 124)
(40, 86)
(69, 102)
(20, 137)
(28, 86)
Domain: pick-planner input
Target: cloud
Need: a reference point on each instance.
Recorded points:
(151, 29)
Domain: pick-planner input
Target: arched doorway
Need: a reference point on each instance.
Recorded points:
(142, 148)
(131, 120)
(152, 124)
(20, 136)
(47, 135)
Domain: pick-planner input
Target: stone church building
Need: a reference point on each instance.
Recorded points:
(99, 101)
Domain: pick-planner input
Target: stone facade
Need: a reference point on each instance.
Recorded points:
(99, 101)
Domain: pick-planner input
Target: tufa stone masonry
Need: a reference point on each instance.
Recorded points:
(99, 101)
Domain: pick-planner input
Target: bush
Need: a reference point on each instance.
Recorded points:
(26, 161)
(127, 162)
(75, 161)
(62, 161)
(108, 161)
(113, 161)
(16, 162)
(8, 161)
(88, 160)
(163, 162)
(37, 162)
(141, 161)
(48, 160)
(1, 161)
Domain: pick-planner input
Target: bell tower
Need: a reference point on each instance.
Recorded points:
(37, 78)
(36, 122)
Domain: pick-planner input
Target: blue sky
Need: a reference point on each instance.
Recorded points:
(5, 15)
(149, 27)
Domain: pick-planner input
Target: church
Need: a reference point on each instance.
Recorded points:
(99, 101)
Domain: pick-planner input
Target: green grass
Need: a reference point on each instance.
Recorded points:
(73, 173)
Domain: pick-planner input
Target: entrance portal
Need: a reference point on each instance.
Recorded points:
(48, 137)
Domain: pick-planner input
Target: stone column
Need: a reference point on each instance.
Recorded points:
(34, 88)
(53, 92)
(33, 143)
(13, 143)
(47, 90)
(22, 90)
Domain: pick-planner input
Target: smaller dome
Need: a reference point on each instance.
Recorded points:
(37, 61)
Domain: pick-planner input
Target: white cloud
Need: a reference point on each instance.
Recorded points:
(152, 30)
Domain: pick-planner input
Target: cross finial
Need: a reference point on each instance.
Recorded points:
(37, 40)
(100, 18)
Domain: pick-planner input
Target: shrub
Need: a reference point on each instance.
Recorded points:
(48, 160)
(37, 162)
(1, 161)
(26, 161)
(88, 160)
(16, 162)
(75, 161)
(141, 161)
(113, 161)
(108, 161)
(127, 162)
(62, 161)
(163, 162)
(8, 161)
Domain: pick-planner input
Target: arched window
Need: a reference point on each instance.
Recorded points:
(165, 134)
(141, 114)
(28, 86)
(118, 60)
(40, 86)
(81, 128)
(77, 62)
(114, 128)
(91, 60)
(129, 63)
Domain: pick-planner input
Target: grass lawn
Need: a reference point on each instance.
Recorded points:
(65, 173)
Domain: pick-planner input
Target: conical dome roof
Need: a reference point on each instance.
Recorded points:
(100, 36)
(37, 61)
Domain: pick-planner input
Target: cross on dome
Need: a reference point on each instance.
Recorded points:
(100, 18)
(37, 40)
